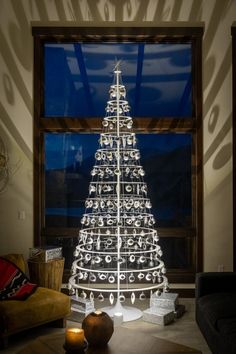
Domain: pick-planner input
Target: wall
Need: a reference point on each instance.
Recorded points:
(16, 65)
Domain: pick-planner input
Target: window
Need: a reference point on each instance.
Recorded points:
(161, 69)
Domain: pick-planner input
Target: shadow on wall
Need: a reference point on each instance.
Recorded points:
(223, 156)
(8, 166)
(225, 152)
(20, 45)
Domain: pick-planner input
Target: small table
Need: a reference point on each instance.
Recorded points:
(47, 274)
(123, 341)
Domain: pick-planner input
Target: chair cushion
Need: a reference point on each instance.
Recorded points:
(44, 305)
(17, 259)
(227, 326)
(13, 282)
(218, 306)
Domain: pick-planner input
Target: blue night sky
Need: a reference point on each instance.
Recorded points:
(157, 78)
(62, 149)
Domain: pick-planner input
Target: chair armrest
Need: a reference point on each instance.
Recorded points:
(215, 282)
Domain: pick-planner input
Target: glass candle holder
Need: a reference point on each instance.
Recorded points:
(118, 318)
(74, 340)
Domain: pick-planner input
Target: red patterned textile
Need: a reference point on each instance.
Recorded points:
(14, 285)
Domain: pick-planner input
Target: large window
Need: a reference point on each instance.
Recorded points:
(161, 70)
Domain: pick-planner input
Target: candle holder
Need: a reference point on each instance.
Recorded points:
(98, 328)
(74, 341)
(118, 319)
(75, 350)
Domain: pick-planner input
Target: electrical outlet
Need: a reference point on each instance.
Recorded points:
(21, 215)
(220, 267)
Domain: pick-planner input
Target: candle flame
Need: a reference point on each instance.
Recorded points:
(98, 312)
(75, 330)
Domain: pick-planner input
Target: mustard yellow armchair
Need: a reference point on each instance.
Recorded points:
(43, 306)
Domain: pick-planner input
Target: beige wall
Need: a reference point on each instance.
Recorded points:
(16, 64)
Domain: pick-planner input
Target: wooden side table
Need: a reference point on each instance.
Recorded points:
(47, 274)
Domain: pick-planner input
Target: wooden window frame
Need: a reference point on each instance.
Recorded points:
(191, 35)
(233, 33)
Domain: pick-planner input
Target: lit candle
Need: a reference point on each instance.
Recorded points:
(118, 318)
(98, 312)
(74, 338)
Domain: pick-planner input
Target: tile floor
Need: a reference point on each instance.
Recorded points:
(183, 331)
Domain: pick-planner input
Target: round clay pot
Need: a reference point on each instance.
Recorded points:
(98, 328)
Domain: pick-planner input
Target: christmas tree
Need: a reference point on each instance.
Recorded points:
(118, 252)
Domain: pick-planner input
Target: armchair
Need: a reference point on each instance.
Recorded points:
(216, 310)
(42, 306)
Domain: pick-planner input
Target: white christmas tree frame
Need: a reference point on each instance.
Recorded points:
(118, 251)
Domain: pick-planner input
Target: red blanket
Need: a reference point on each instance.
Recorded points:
(14, 285)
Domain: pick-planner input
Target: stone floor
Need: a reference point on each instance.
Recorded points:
(183, 331)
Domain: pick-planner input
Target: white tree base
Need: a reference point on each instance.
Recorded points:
(129, 313)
